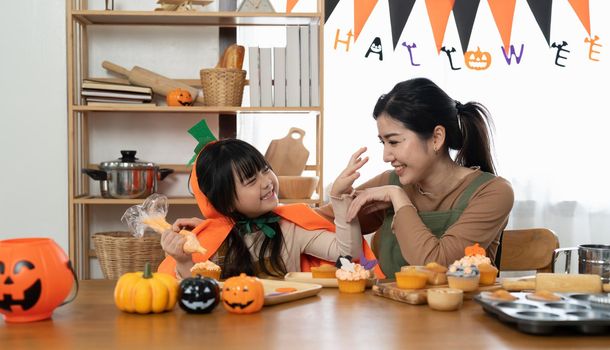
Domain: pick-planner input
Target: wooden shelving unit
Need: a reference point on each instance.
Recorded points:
(79, 19)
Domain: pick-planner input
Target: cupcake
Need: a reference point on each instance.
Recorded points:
(437, 274)
(206, 269)
(411, 277)
(488, 274)
(464, 277)
(323, 271)
(351, 277)
(500, 295)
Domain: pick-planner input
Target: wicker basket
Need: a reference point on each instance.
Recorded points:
(121, 252)
(223, 86)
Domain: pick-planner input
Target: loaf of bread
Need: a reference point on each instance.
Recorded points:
(232, 57)
(569, 283)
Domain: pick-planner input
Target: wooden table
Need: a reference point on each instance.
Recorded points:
(328, 321)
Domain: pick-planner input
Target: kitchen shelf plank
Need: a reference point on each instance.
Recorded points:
(171, 200)
(185, 169)
(197, 109)
(220, 19)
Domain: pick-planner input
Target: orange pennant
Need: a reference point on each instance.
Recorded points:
(362, 11)
(438, 12)
(581, 7)
(290, 5)
(503, 12)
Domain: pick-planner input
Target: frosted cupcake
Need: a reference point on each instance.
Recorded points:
(464, 277)
(475, 255)
(351, 277)
(206, 269)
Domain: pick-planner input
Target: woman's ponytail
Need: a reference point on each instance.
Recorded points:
(476, 127)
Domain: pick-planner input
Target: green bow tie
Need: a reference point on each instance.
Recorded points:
(246, 224)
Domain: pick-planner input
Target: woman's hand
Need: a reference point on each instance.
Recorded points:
(172, 244)
(345, 180)
(376, 198)
(186, 224)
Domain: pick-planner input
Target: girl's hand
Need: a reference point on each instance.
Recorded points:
(186, 224)
(375, 198)
(172, 244)
(345, 180)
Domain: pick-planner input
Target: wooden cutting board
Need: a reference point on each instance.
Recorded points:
(287, 155)
(420, 296)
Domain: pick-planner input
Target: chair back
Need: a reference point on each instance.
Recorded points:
(528, 249)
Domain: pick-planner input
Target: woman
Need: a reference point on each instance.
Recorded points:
(434, 206)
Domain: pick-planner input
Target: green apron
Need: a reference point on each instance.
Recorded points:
(388, 252)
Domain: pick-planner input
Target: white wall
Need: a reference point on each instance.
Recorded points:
(33, 128)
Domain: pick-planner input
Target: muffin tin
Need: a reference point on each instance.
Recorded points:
(585, 313)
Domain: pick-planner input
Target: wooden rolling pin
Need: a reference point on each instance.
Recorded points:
(159, 84)
(569, 283)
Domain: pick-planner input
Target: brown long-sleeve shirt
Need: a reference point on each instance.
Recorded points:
(482, 221)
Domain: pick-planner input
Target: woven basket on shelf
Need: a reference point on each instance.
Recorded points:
(223, 86)
(121, 252)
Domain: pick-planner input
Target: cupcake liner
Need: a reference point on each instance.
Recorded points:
(357, 286)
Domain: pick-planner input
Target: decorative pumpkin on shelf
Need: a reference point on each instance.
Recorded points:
(473, 250)
(179, 98)
(35, 278)
(198, 295)
(243, 294)
(477, 60)
(145, 292)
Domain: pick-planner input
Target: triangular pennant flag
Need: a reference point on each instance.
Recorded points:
(581, 7)
(290, 5)
(542, 12)
(464, 12)
(438, 12)
(503, 12)
(329, 7)
(362, 11)
(399, 14)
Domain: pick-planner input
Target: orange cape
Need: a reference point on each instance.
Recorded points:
(212, 232)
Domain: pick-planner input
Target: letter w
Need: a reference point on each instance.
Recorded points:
(509, 58)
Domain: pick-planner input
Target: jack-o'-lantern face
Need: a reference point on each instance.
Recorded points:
(198, 295)
(477, 60)
(243, 294)
(20, 285)
(179, 97)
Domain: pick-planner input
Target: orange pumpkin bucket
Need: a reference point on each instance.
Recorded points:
(35, 278)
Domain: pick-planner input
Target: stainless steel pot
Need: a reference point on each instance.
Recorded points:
(127, 177)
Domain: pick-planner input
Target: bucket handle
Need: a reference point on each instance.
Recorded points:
(71, 299)
(568, 252)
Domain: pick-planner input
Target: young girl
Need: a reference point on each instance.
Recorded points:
(245, 230)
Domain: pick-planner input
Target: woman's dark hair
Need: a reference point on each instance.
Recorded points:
(215, 168)
(420, 105)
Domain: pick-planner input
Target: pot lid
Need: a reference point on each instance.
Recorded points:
(127, 161)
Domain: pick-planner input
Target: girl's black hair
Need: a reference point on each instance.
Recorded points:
(420, 105)
(215, 168)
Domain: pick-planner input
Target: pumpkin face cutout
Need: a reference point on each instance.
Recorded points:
(243, 294)
(477, 60)
(35, 278)
(198, 295)
(473, 250)
(179, 98)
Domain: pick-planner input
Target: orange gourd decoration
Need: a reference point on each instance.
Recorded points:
(243, 294)
(179, 98)
(477, 60)
(474, 250)
(35, 278)
(146, 292)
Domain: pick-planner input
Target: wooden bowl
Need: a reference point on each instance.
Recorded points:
(297, 187)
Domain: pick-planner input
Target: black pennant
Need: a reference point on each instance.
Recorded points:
(329, 7)
(464, 12)
(399, 14)
(542, 12)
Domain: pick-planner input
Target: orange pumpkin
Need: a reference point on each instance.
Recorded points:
(243, 294)
(35, 278)
(477, 60)
(474, 250)
(179, 97)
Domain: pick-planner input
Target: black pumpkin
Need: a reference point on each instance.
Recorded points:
(198, 295)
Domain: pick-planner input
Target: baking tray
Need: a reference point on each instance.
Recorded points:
(576, 312)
